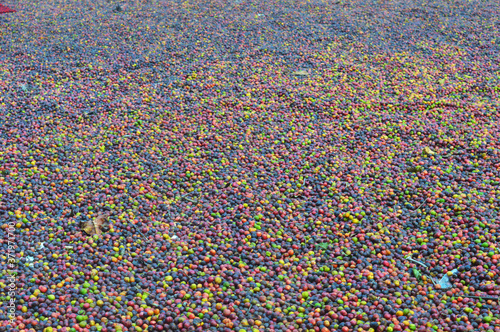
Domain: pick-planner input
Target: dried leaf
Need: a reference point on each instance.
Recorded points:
(94, 227)
(99, 222)
(415, 169)
(300, 73)
(428, 151)
(88, 227)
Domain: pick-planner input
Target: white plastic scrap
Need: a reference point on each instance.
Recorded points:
(30, 259)
(445, 280)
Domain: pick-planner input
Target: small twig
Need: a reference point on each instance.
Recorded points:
(449, 155)
(482, 297)
(420, 206)
(138, 231)
(417, 262)
(415, 210)
(188, 199)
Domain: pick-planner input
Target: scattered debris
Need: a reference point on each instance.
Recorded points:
(322, 245)
(445, 280)
(138, 231)
(415, 210)
(428, 151)
(29, 260)
(300, 73)
(95, 227)
(417, 273)
(452, 153)
(188, 199)
(416, 262)
(415, 169)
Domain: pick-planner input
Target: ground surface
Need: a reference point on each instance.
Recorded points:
(257, 165)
